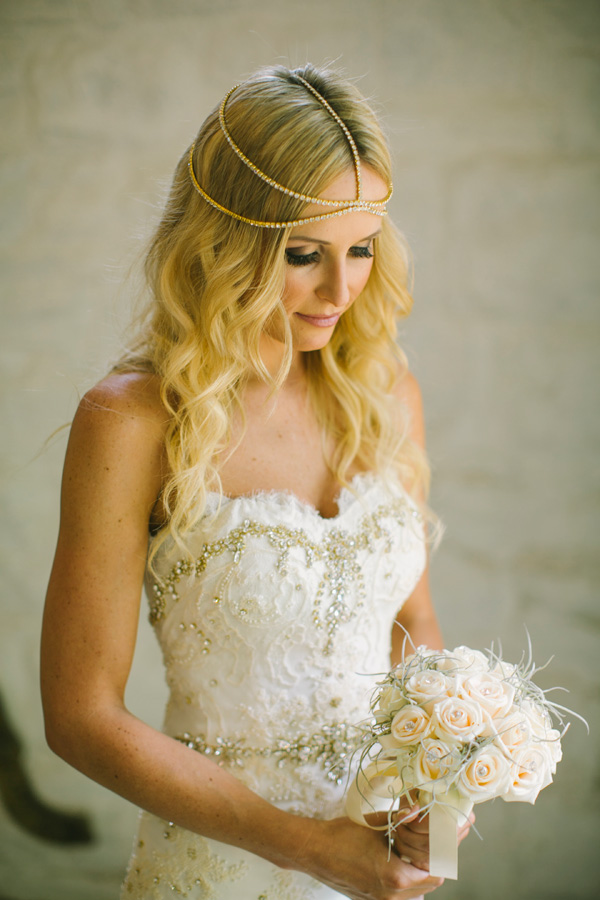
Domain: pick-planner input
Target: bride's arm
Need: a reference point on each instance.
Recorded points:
(111, 481)
(417, 614)
(417, 617)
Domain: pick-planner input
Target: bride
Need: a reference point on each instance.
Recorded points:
(256, 458)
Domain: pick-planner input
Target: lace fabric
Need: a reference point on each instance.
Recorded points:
(271, 638)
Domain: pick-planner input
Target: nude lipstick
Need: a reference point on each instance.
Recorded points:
(320, 321)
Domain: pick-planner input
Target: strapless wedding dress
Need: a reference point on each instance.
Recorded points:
(271, 637)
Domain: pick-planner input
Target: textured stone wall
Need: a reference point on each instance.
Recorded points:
(491, 107)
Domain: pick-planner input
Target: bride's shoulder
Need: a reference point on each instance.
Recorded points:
(407, 392)
(133, 395)
(407, 389)
(124, 406)
(114, 463)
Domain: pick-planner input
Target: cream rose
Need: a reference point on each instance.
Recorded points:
(458, 720)
(553, 748)
(463, 659)
(422, 652)
(530, 773)
(486, 775)
(434, 762)
(410, 725)
(494, 695)
(541, 723)
(543, 733)
(391, 699)
(503, 669)
(513, 733)
(428, 687)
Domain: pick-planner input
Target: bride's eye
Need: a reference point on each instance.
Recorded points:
(362, 252)
(301, 259)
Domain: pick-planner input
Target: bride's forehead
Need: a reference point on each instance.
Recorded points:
(354, 226)
(350, 228)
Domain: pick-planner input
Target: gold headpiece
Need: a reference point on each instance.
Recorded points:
(341, 206)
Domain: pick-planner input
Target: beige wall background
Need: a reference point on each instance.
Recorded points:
(492, 111)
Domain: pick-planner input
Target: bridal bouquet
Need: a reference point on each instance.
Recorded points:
(455, 727)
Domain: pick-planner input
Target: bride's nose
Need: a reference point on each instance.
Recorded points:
(333, 286)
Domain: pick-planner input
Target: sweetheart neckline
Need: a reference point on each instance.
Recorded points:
(282, 496)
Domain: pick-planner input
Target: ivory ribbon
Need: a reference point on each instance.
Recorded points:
(373, 790)
(378, 784)
(448, 812)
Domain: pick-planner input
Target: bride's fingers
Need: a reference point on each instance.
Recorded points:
(411, 837)
(406, 815)
(411, 848)
(418, 825)
(414, 820)
(408, 835)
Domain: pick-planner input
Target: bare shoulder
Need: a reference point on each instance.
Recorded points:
(116, 445)
(132, 395)
(125, 406)
(408, 392)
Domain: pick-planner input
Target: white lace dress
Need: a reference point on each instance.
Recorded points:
(271, 639)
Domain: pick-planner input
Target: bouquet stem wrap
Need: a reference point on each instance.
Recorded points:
(376, 786)
(445, 816)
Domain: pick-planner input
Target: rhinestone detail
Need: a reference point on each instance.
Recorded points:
(331, 747)
(377, 207)
(337, 551)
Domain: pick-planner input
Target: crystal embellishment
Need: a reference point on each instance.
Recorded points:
(341, 589)
(331, 747)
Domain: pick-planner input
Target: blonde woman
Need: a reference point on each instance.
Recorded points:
(257, 458)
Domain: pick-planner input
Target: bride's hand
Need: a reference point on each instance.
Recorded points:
(411, 836)
(356, 862)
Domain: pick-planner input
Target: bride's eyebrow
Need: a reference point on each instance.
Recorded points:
(312, 240)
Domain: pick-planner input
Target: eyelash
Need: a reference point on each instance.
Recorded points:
(305, 259)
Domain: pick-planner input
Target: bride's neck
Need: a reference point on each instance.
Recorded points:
(272, 353)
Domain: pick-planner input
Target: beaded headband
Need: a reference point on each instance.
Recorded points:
(341, 207)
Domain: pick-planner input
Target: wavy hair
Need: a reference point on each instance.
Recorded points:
(215, 282)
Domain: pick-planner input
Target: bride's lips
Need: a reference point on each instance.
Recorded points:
(320, 321)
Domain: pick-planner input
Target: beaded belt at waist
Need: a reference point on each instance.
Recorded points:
(331, 747)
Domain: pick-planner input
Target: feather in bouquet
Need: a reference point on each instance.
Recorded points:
(455, 727)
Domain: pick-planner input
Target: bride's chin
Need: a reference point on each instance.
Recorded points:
(305, 335)
(305, 345)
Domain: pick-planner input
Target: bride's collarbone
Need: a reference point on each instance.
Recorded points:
(318, 489)
(281, 452)
(278, 453)
(305, 476)
(321, 490)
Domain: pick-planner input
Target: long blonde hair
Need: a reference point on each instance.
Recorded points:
(215, 282)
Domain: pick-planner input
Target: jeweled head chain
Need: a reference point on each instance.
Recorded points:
(341, 206)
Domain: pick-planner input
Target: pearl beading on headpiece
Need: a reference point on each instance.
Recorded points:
(341, 206)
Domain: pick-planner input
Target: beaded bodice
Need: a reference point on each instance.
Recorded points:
(271, 632)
